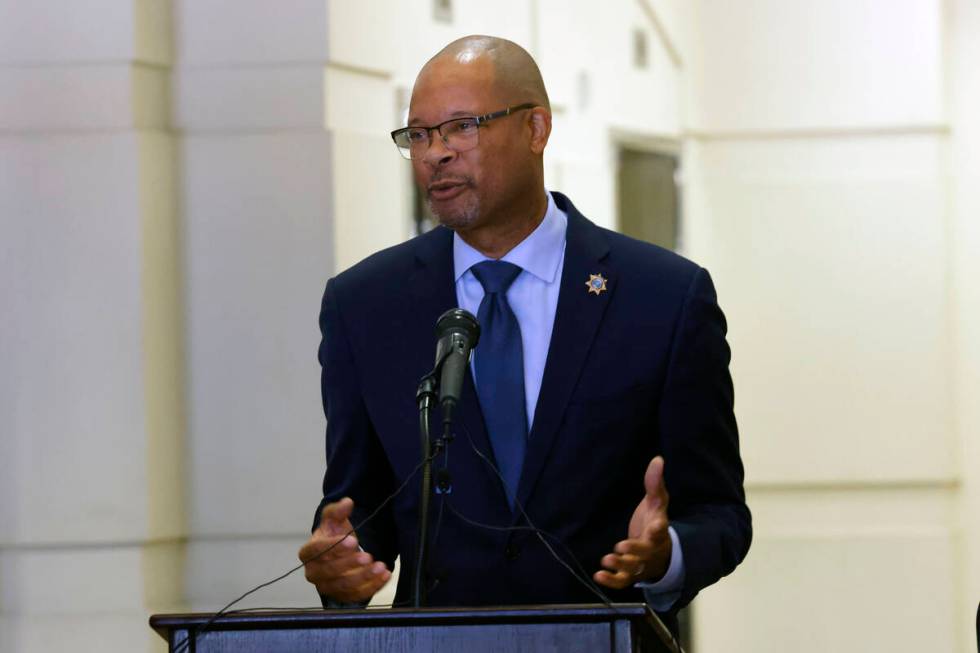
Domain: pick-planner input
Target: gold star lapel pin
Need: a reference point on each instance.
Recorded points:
(596, 284)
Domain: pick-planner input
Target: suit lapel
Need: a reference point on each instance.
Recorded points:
(432, 286)
(576, 323)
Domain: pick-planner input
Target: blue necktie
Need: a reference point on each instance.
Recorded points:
(499, 363)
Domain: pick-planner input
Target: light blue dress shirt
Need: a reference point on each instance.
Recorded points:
(533, 296)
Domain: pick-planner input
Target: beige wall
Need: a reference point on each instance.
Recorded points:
(819, 178)
(178, 179)
(962, 23)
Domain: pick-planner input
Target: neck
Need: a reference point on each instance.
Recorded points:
(500, 236)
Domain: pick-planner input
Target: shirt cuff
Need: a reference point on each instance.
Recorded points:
(662, 594)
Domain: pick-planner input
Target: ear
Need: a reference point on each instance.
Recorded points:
(540, 124)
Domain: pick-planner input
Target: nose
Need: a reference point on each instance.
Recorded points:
(438, 153)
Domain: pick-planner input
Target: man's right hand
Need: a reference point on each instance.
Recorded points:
(344, 573)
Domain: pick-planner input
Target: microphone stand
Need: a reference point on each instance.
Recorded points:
(458, 332)
(427, 392)
(424, 397)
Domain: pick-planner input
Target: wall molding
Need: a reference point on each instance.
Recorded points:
(76, 547)
(923, 129)
(658, 26)
(850, 485)
(359, 70)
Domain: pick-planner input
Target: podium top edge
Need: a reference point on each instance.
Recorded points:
(234, 620)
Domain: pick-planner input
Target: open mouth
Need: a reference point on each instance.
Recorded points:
(446, 190)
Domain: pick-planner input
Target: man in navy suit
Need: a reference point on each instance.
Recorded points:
(603, 383)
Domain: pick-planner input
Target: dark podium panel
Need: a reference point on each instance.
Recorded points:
(556, 628)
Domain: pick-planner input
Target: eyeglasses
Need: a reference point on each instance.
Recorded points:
(458, 134)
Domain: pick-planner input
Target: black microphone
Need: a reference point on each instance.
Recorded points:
(457, 332)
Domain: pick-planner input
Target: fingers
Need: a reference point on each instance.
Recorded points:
(359, 583)
(317, 556)
(634, 560)
(616, 580)
(627, 565)
(635, 548)
(653, 481)
(321, 547)
(646, 554)
(335, 517)
(340, 572)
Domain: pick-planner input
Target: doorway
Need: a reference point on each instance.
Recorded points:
(648, 196)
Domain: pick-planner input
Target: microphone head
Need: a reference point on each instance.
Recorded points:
(457, 332)
(458, 321)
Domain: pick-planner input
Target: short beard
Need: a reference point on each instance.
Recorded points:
(460, 218)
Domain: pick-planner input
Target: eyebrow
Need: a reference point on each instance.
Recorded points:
(414, 122)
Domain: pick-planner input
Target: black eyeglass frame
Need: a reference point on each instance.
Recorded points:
(479, 120)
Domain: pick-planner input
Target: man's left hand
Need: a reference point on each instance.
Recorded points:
(645, 556)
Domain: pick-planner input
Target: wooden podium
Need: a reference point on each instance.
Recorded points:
(548, 628)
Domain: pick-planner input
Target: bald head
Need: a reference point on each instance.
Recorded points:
(515, 73)
(488, 186)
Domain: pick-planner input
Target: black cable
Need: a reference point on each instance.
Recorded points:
(184, 645)
(584, 578)
(581, 575)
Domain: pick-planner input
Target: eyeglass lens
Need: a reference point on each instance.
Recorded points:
(458, 135)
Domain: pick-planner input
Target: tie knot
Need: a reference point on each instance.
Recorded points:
(495, 276)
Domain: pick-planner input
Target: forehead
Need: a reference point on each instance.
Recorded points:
(447, 86)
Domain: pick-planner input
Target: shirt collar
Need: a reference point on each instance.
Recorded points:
(539, 253)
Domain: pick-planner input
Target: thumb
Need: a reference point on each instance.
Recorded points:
(653, 480)
(336, 515)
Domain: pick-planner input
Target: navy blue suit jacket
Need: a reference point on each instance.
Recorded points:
(639, 370)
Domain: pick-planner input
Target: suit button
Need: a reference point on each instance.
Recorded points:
(512, 552)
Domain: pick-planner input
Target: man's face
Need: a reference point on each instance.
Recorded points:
(467, 189)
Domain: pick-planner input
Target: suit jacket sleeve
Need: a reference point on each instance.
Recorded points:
(356, 464)
(703, 470)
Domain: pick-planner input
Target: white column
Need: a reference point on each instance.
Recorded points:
(287, 176)
(256, 202)
(91, 416)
